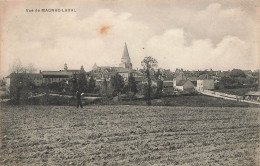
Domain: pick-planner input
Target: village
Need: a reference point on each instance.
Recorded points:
(118, 83)
(235, 84)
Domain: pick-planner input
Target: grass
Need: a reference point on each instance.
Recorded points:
(192, 101)
(239, 91)
(189, 101)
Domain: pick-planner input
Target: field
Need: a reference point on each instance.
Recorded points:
(129, 135)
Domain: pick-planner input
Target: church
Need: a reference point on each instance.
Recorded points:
(125, 62)
(124, 69)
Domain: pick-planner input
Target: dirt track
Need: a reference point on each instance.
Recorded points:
(129, 135)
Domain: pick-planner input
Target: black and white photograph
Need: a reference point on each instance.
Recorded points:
(129, 82)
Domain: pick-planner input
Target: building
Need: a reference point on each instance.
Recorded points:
(168, 87)
(204, 82)
(125, 60)
(58, 76)
(124, 69)
(193, 80)
(184, 86)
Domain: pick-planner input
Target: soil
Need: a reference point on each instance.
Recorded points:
(129, 135)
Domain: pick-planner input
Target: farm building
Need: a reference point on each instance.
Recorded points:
(168, 87)
(205, 83)
(184, 86)
(193, 80)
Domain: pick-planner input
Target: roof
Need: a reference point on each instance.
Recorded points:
(123, 70)
(192, 78)
(28, 75)
(125, 53)
(74, 70)
(203, 77)
(168, 83)
(168, 77)
(181, 82)
(56, 74)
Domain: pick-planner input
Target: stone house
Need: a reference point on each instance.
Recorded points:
(204, 82)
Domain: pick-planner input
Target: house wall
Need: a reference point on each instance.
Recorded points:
(179, 88)
(208, 84)
(37, 81)
(174, 83)
(52, 80)
(205, 85)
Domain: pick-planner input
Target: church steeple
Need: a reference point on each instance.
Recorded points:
(125, 53)
(65, 67)
(125, 60)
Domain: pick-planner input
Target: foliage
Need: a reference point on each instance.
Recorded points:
(74, 82)
(17, 67)
(2, 82)
(230, 82)
(117, 84)
(82, 81)
(237, 73)
(92, 85)
(104, 88)
(132, 87)
(238, 91)
(158, 74)
(30, 68)
(148, 64)
(140, 88)
(55, 87)
(159, 88)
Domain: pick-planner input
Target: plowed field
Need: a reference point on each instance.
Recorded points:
(129, 135)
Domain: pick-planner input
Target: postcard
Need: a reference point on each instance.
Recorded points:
(129, 82)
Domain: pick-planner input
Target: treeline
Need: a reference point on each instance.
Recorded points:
(236, 79)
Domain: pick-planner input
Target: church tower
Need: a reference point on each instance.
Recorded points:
(65, 67)
(125, 60)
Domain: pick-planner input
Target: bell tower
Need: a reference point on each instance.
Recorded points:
(125, 60)
(65, 67)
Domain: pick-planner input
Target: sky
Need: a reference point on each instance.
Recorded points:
(193, 35)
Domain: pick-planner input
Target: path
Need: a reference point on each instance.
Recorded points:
(226, 96)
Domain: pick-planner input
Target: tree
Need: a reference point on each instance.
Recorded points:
(132, 84)
(159, 88)
(158, 74)
(237, 73)
(74, 84)
(92, 84)
(117, 84)
(82, 81)
(17, 67)
(103, 89)
(149, 64)
(30, 68)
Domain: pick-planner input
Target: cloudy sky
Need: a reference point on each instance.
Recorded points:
(193, 35)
